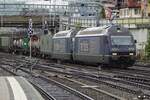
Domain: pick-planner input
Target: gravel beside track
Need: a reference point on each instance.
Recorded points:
(92, 81)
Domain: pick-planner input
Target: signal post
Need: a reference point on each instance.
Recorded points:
(30, 33)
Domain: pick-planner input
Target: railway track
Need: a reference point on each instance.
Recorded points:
(4, 73)
(99, 90)
(104, 95)
(117, 82)
(47, 86)
(84, 97)
(38, 79)
(132, 74)
(143, 64)
(122, 85)
(42, 92)
(136, 83)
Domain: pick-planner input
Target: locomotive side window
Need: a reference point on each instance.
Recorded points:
(121, 40)
(84, 46)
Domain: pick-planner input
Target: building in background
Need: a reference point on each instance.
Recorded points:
(129, 8)
(148, 8)
(109, 3)
(133, 8)
(83, 8)
(145, 8)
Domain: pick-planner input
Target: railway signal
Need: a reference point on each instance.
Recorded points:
(25, 43)
(30, 33)
(30, 30)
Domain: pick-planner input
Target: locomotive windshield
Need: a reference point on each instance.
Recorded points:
(121, 40)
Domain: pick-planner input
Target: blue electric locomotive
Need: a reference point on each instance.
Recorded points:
(109, 45)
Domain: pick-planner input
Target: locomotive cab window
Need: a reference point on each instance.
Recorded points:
(121, 40)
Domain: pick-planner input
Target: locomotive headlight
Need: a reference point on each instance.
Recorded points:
(114, 54)
(131, 54)
(139, 96)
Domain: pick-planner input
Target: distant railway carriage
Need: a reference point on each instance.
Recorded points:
(25, 44)
(5, 43)
(62, 45)
(35, 44)
(46, 45)
(20, 44)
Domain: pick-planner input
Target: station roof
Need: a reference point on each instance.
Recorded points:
(17, 88)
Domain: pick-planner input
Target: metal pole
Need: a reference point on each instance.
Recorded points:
(30, 54)
(30, 47)
(30, 35)
(30, 32)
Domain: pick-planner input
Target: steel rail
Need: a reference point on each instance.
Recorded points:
(114, 86)
(43, 93)
(102, 78)
(69, 89)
